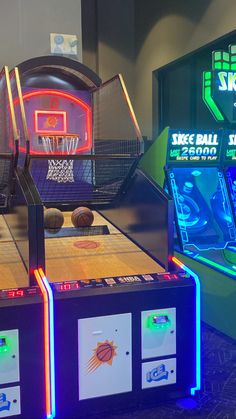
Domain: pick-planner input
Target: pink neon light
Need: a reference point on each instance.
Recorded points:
(74, 99)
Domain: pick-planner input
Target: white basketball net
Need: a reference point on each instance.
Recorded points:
(60, 171)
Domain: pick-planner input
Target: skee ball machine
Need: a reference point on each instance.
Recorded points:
(229, 165)
(24, 360)
(205, 226)
(126, 312)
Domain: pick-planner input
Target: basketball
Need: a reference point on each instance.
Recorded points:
(53, 218)
(104, 352)
(82, 217)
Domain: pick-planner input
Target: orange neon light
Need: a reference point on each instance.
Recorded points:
(46, 343)
(131, 110)
(177, 262)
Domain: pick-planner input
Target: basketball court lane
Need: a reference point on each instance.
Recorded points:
(100, 256)
(12, 270)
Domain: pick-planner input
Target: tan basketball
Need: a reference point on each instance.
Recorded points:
(82, 217)
(53, 218)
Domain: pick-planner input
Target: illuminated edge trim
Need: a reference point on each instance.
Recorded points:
(198, 324)
(131, 110)
(216, 265)
(22, 108)
(48, 342)
(11, 105)
(208, 99)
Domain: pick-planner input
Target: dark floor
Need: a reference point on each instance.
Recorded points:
(217, 399)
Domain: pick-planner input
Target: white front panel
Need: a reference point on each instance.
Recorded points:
(158, 333)
(105, 358)
(158, 373)
(9, 401)
(9, 356)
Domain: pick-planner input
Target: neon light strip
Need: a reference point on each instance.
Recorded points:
(207, 96)
(216, 265)
(22, 108)
(12, 111)
(137, 129)
(52, 343)
(48, 343)
(198, 324)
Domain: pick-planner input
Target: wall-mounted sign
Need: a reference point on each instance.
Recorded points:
(219, 85)
(62, 44)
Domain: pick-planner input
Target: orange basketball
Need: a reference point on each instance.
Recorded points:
(104, 352)
(53, 218)
(82, 217)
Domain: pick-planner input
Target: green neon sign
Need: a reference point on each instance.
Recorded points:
(219, 85)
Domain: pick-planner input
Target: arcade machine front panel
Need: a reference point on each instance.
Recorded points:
(125, 340)
(22, 353)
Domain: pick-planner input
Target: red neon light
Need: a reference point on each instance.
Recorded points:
(74, 99)
(46, 342)
(48, 115)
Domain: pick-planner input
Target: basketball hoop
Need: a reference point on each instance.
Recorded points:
(61, 171)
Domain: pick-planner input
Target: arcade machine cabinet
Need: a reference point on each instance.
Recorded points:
(126, 313)
(23, 375)
(229, 163)
(205, 227)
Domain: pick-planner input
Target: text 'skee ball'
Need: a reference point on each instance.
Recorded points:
(82, 217)
(53, 218)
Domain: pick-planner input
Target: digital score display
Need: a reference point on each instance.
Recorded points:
(18, 293)
(229, 149)
(66, 286)
(194, 147)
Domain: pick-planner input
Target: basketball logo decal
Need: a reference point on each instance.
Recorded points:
(102, 354)
(51, 121)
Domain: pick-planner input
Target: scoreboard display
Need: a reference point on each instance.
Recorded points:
(194, 147)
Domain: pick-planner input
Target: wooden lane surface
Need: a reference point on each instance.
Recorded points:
(5, 234)
(73, 258)
(12, 271)
(98, 221)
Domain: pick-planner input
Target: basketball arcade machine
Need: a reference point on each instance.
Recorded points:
(24, 358)
(120, 324)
